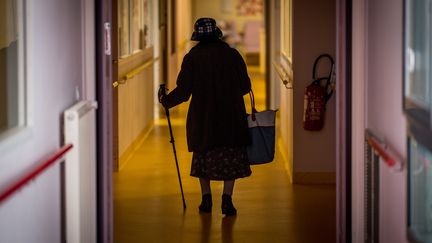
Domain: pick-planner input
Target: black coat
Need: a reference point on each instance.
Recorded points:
(216, 77)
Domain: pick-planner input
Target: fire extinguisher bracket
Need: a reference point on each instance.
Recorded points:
(316, 97)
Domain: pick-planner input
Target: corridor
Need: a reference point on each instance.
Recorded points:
(148, 206)
(85, 154)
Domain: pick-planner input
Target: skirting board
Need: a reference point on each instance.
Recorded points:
(316, 178)
(304, 178)
(127, 155)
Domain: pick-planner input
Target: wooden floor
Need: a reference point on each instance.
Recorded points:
(148, 205)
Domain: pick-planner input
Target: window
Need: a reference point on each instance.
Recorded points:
(418, 48)
(418, 111)
(420, 193)
(123, 27)
(135, 28)
(12, 83)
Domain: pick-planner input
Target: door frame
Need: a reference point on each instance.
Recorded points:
(106, 149)
(163, 28)
(268, 27)
(343, 120)
(359, 114)
(104, 121)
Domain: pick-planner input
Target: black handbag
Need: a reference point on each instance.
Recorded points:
(262, 131)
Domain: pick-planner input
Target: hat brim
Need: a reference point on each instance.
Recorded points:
(217, 33)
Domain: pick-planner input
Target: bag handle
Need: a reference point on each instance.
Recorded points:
(252, 99)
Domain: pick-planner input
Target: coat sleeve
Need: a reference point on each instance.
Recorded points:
(245, 83)
(184, 86)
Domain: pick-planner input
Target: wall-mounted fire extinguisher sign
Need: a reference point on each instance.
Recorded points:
(316, 96)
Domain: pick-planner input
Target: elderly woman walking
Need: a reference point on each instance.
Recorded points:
(215, 75)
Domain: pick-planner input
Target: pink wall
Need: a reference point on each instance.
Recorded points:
(54, 69)
(384, 109)
(314, 33)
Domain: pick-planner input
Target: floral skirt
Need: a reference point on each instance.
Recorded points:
(223, 163)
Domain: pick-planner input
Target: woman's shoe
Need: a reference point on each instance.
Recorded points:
(227, 206)
(206, 204)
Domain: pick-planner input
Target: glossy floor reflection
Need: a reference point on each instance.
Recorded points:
(148, 206)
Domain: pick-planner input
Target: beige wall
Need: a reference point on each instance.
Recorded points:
(310, 157)
(136, 97)
(135, 101)
(183, 29)
(213, 8)
(184, 23)
(314, 31)
(174, 27)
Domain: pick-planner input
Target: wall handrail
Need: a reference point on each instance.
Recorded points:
(382, 150)
(134, 72)
(34, 173)
(286, 79)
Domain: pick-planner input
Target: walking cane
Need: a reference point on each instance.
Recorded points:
(162, 90)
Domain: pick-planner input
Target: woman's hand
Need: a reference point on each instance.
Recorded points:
(162, 94)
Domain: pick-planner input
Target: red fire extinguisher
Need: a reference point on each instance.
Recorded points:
(316, 97)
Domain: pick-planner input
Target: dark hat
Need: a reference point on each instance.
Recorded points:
(205, 27)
